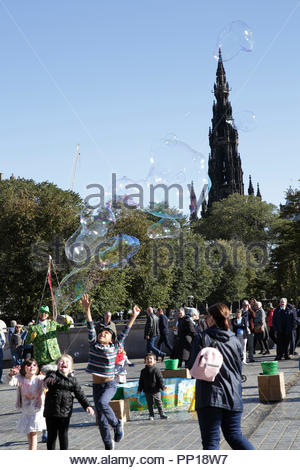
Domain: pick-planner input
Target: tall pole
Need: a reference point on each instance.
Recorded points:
(74, 166)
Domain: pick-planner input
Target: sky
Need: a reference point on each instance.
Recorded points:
(118, 76)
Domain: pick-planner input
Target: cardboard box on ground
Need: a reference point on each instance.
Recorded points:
(271, 387)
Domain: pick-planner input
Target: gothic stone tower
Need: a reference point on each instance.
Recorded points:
(224, 164)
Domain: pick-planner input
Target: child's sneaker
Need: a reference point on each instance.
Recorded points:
(163, 417)
(110, 445)
(119, 432)
(151, 418)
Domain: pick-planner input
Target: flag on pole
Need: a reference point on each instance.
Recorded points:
(54, 308)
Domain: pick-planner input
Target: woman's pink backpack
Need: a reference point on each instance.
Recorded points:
(207, 363)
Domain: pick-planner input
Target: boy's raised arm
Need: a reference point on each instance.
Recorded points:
(86, 304)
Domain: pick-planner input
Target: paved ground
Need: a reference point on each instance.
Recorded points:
(268, 426)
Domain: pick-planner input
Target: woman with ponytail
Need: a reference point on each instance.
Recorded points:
(219, 403)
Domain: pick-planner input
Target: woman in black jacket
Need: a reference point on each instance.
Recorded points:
(186, 334)
(62, 387)
(239, 327)
(219, 404)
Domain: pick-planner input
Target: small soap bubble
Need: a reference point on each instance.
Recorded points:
(76, 354)
(236, 36)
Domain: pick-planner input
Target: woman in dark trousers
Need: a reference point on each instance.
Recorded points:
(219, 404)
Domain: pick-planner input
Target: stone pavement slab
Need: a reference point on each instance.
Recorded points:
(268, 426)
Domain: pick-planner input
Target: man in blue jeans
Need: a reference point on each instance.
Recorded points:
(151, 333)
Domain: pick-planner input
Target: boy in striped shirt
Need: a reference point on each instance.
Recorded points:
(101, 364)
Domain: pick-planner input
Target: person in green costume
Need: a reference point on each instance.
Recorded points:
(43, 336)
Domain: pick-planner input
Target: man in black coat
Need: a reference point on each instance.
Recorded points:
(163, 330)
(186, 334)
(284, 322)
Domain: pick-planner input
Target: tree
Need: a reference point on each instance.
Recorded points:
(245, 218)
(285, 254)
(35, 218)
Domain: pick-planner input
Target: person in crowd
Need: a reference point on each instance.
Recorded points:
(180, 314)
(270, 312)
(61, 387)
(2, 344)
(219, 404)
(151, 334)
(261, 335)
(30, 399)
(163, 330)
(120, 366)
(239, 327)
(249, 315)
(194, 316)
(106, 323)
(151, 382)
(11, 330)
(27, 348)
(16, 344)
(101, 364)
(284, 322)
(202, 323)
(297, 336)
(293, 340)
(43, 336)
(186, 334)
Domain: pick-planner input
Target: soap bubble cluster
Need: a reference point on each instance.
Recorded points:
(164, 193)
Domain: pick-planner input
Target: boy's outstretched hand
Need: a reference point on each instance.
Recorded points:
(85, 301)
(136, 310)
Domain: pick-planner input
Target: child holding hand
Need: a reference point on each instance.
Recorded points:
(30, 399)
(61, 385)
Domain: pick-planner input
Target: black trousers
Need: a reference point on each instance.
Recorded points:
(58, 426)
(283, 340)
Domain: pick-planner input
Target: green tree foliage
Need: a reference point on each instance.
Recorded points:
(149, 274)
(286, 253)
(246, 218)
(32, 216)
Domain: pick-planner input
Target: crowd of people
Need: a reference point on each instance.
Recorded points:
(46, 383)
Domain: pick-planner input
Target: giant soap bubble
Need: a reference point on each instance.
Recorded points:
(234, 37)
(174, 165)
(81, 246)
(109, 254)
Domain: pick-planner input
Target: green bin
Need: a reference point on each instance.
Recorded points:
(171, 364)
(269, 368)
(119, 395)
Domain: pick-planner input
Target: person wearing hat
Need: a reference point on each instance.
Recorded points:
(106, 323)
(103, 349)
(43, 336)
